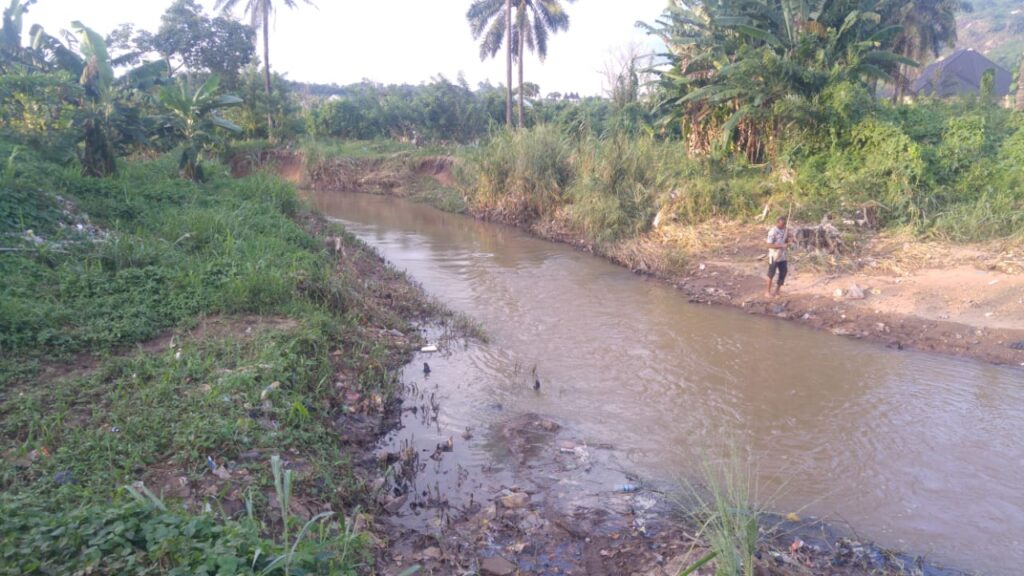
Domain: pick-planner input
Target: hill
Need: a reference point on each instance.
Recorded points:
(996, 29)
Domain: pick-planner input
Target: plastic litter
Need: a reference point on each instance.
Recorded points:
(429, 348)
(626, 488)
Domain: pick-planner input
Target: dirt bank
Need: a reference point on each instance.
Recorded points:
(964, 301)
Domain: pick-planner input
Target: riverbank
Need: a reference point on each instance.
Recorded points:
(884, 287)
(194, 377)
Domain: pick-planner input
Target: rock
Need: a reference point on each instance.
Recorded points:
(837, 293)
(855, 293)
(432, 553)
(497, 566)
(515, 500)
(548, 425)
(395, 504)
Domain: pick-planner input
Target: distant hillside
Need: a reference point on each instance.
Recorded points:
(996, 29)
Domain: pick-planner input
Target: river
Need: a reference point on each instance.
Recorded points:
(918, 452)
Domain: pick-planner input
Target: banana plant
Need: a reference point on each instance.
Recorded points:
(192, 117)
(110, 114)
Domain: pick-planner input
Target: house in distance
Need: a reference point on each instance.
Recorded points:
(961, 73)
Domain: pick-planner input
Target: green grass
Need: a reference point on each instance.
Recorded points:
(90, 404)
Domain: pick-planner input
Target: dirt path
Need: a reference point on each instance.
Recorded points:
(969, 304)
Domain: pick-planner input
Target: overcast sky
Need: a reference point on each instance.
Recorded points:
(398, 41)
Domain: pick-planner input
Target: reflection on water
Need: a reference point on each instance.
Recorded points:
(917, 451)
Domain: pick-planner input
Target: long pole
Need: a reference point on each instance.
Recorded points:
(508, 63)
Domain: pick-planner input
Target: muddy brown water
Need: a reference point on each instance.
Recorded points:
(918, 452)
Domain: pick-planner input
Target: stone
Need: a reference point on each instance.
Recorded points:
(395, 504)
(497, 566)
(515, 500)
(855, 293)
(432, 553)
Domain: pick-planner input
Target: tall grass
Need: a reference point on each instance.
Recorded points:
(725, 507)
(518, 176)
(606, 188)
(945, 171)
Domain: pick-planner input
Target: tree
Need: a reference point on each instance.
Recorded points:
(188, 39)
(1020, 86)
(742, 72)
(534, 21)
(494, 17)
(192, 116)
(926, 28)
(109, 117)
(12, 55)
(259, 12)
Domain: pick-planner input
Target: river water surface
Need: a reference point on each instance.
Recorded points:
(919, 452)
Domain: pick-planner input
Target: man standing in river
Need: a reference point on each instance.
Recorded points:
(778, 242)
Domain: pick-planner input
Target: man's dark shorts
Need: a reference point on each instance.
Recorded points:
(782, 268)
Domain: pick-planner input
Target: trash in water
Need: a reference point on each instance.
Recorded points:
(626, 488)
(429, 348)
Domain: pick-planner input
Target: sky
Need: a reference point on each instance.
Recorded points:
(399, 41)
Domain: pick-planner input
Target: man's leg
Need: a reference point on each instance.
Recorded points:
(771, 274)
(783, 270)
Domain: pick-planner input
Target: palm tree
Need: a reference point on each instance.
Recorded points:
(259, 12)
(535, 19)
(494, 16)
(928, 26)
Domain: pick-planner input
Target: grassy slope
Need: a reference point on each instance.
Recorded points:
(299, 340)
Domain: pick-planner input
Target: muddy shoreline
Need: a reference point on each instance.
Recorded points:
(721, 279)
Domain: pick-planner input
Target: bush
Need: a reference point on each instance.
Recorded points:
(518, 175)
